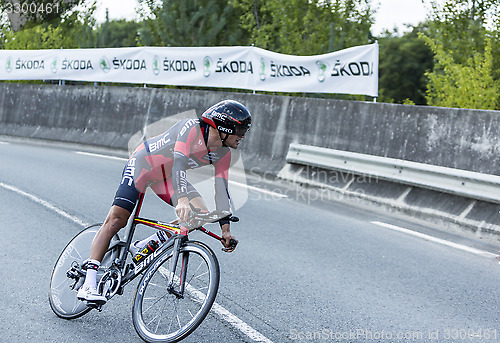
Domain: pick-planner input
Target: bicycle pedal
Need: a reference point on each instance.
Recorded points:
(97, 305)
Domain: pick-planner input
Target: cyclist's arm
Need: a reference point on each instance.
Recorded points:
(182, 150)
(222, 200)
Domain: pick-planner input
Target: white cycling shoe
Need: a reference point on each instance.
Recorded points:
(90, 294)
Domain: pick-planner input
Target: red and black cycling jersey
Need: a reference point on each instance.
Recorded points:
(166, 157)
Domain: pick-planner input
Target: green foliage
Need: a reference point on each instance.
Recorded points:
(37, 12)
(469, 85)
(408, 102)
(403, 63)
(460, 25)
(306, 27)
(38, 37)
(117, 33)
(467, 54)
(190, 23)
(73, 30)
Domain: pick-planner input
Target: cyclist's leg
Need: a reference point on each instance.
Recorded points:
(123, 205)
(115, 220)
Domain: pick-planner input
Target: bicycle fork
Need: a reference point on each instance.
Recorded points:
(184, 262)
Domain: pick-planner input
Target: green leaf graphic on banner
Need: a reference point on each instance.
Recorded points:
(104, 65)
(207, 62)
(8, 65)
(322, 67)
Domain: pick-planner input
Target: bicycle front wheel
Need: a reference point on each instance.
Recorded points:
(63, 289)
(170, 315)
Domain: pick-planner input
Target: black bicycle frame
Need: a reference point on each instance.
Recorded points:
(179, 236)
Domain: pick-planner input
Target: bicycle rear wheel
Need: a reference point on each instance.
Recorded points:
(158, 314)
(63, 289)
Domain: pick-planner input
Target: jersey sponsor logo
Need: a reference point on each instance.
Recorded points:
(192, 163)
(128, 174)
(190, 123)
(212, 156)
(182, 182)
(153, 146)
(199, 144)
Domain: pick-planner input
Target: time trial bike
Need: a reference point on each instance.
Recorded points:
(179, 280)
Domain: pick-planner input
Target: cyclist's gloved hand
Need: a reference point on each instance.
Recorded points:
(228, 241)
(182, 209)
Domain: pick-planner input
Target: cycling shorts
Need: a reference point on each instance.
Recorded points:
(127, 193)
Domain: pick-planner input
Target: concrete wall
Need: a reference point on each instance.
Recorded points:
(108, 116)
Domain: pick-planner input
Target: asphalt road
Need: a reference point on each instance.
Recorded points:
(303, 272)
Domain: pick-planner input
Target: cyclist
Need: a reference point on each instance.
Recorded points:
(161, 163)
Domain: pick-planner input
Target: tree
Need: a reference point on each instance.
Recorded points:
(74, 29)
(189, 23)
(467, 65)
(117, 33)
(306, 27)
(460, 26)
(469, 85)
(25, 14)
(403, 63)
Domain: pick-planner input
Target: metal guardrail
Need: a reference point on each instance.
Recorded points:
(455, 181)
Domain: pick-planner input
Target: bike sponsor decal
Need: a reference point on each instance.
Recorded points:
(139, 268)
(57, 302)
(65, 255)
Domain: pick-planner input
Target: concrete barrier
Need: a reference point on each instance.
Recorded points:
(109, 116)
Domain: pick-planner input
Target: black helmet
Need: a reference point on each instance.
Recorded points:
(228, 116)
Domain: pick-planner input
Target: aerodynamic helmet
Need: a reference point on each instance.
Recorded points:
(228, 116)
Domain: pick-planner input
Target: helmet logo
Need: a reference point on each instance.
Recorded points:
(224, 129)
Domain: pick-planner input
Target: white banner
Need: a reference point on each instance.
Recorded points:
(349, 71)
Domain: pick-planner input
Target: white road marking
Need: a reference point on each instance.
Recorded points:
(216, 308)
(45, 204)
(265, 191)
(436, 240)
(224, 314)
(102, 156)
(1, 142)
